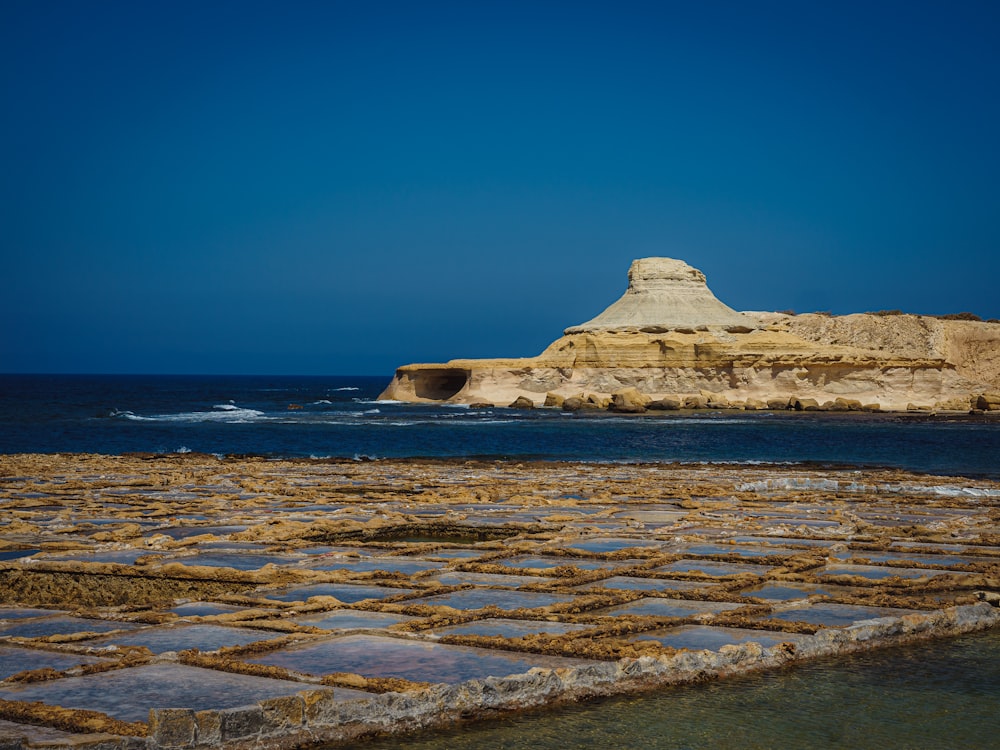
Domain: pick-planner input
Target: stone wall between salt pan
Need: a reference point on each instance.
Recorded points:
(318, 717)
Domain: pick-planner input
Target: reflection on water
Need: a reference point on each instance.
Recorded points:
(944, 694)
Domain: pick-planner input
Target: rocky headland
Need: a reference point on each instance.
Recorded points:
(668, 343)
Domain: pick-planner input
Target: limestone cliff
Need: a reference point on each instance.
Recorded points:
(673, 341)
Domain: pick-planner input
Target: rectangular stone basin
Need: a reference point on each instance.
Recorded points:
(349, 593)
(632, 583)
(204, 637)
(789, 591)
(45, 626)
(349, 618)
(874, 572)
(836, 615)
(509, 628)
(504, 599)
(714, 568)
(128, 694)
(389, 564)
(544, 563)
(707, 638)
(14, 554)
(655, 517)
(876, 556)
(783, 540)
(735, 549)
(411, 659)
(457, 578)
(655, 607)
(122, 557)
(609, 545)
(204, 609)
(236, 560)
(14, 660)
(22, 613)
(183, 532)
(455, 554)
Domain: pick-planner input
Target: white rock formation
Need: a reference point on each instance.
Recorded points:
(664, 294)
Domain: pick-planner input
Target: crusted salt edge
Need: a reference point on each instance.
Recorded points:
(317, 716)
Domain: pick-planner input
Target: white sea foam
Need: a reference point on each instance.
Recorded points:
(183, 449)
(373, 411)
(347, 388)
(322, 401)
(225, 413)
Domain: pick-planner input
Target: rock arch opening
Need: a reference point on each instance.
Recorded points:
(440, 385)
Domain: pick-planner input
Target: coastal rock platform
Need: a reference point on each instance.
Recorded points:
(671, 340)
(193, 601)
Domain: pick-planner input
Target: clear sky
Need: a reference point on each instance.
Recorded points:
(344, 187)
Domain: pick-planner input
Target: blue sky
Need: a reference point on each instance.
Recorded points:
(341, 188)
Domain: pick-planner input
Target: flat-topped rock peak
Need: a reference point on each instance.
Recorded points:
(664, 293)
(669, 341)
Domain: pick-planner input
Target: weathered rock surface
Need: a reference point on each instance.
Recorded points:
(668, 337)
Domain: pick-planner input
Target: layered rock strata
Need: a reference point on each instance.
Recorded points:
(674, 342)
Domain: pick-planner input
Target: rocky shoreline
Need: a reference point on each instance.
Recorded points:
(669, 340)
(188, 601)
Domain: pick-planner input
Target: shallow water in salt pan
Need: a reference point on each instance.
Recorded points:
(699, 637)
(203, 637)
(509, 628)
(347, 618)
(504, 599)
(830, 614)
(421, 661)
(346, 592)
(36, 628)
(652, 607)
(128, 694)
(14, 660)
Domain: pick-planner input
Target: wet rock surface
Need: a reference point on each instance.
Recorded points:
(437, 590)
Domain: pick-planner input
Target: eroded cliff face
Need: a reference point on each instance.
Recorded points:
(752, 360)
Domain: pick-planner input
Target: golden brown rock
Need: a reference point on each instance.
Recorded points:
(652, 341)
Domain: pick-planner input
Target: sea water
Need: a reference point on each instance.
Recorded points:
(340, 417)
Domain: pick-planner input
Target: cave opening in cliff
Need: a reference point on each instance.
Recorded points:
(440, 385)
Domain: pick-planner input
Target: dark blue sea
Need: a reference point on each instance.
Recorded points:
(340, 416)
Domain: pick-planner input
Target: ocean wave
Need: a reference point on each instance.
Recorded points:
(226, 407)
(346, 388)
(322, 401)
(183, 449)
(373, 411)
(225, 413)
